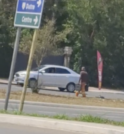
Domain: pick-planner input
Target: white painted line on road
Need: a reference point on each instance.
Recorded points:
(40, 104)
(61, 105)
(106, 111)
(12, 106)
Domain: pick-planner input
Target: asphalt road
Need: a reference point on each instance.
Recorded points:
(45, 109)
(106, 95)
(16, 129)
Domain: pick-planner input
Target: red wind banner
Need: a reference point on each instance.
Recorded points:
(100, 69)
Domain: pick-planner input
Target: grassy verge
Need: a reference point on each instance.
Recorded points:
(87, 118)
(66, 99)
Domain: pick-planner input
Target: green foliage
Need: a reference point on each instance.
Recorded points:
(47, 40)
(6, 41)
(86, 26)
(97, 25)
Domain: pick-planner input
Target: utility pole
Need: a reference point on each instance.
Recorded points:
(28, 70)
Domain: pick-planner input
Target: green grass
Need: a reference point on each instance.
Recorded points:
(87, 118)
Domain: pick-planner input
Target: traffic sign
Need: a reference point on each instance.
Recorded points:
(29, 13)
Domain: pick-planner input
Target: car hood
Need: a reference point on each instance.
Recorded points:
(25, 72)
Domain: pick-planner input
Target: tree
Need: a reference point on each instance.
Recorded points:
(6, 40)
(98, 25)
(47, 41)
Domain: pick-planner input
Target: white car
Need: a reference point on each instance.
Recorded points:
(49, 76)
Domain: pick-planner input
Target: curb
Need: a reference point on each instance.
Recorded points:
(70, 126)
(61, 105)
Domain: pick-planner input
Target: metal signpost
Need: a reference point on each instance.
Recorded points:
(28, 15)
(12, 67)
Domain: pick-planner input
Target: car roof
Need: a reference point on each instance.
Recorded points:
(48, 65)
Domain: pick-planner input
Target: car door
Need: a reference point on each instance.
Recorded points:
(47, 77)
(62, 77)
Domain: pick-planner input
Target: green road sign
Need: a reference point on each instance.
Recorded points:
(27, 20)
(29, 13)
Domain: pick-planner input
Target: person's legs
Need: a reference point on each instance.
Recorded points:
(78, 92)
(83, 89)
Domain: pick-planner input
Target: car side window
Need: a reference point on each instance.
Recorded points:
(50, 70)
(62, 71)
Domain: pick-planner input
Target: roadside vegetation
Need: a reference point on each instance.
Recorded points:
(87, 118)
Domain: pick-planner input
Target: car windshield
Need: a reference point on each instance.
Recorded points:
(38, 68)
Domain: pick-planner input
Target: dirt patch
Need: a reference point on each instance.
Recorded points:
(66, 100)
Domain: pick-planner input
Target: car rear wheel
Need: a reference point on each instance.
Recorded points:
(61, 89)
(71, 87)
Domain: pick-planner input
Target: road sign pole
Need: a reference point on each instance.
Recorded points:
(28, 71)
(12, 67)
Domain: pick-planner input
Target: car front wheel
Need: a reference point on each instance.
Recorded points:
(33, 85)
(71, 87)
